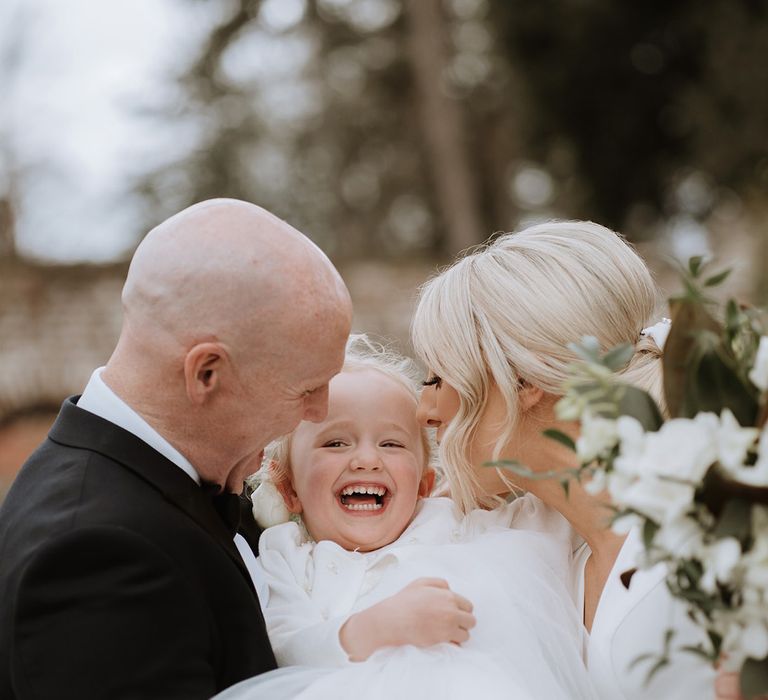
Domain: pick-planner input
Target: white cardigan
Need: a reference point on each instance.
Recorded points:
(631, 622)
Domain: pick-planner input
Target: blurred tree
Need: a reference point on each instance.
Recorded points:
(414, 127)
(641, 94)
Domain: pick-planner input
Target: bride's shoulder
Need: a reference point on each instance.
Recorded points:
(526, 512)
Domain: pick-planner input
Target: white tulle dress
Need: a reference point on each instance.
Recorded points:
(527, 644)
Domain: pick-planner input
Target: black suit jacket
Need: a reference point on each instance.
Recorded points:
(118, 579)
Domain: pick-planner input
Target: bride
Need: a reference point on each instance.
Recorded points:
(494, 330)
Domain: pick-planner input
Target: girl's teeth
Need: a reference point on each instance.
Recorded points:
(364, 506)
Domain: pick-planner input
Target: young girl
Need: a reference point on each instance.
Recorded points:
(383, 592)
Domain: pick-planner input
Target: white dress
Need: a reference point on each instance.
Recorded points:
(527, 642)
(631, 622)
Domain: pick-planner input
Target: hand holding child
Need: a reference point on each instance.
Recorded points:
(424, 613)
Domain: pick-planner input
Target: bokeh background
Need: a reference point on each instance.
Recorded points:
(395, 133)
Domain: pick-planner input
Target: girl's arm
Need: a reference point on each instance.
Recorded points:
(424, 613)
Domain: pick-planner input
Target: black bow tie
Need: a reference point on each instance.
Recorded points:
(226, 504)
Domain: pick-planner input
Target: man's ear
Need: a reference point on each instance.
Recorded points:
(290, 497)
(427, 482)
(528, 396)
(203, 365)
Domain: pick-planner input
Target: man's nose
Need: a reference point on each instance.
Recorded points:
(316, 405)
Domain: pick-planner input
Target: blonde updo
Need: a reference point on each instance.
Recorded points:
(507, 311)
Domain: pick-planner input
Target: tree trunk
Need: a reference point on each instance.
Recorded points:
(442, 126)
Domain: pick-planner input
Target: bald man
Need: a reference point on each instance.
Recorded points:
(121, 573)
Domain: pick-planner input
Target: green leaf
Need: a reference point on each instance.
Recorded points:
(754, 678)
(561, 437)
(642, 658)
(688, 318)
(522, 470)
(717, 279)
(617, 358)
(699, 651)
(694, 265)
(588, 349)
(650, 529)
(714, 384)
(640, 405)
(732, 315)
(735, 520)
(661, 663)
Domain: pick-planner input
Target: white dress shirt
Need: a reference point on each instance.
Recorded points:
(100, 400)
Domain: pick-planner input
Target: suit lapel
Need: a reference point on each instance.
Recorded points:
(76, 427)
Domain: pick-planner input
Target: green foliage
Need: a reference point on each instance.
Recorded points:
(754, 678)
(561, 437)
(704, 359)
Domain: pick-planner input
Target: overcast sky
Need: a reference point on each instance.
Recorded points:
(69, 120)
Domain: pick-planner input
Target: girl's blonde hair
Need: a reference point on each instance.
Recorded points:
(362, 353)
(507, 311)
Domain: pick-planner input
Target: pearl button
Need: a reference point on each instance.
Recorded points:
(333, 568)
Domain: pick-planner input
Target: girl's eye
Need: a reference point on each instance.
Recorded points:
(434, 381)
(392, 443)
(334, 443)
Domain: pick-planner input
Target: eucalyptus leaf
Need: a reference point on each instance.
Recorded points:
(561, 437)
(522, 470)
(735, 520)
(714, 280)
(732, 316)
(754, 678)
(694, 265)
(650, 529)
(588, 349)
(689, 317)
(638, 404)
(699, 651)
(661, 663)
(617, 358)
(713, 384)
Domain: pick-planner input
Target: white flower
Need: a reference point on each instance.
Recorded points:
(757, 474)
(719, 560)
(661, 500)
(733, 441)
(268, 505)
(598, 436)
(682, 448)
(597, 482)
(681, 537)
(657, 473)
(759, 372)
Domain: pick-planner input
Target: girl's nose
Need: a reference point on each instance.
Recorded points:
(365, 459)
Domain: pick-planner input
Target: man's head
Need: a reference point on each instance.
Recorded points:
(234, 323)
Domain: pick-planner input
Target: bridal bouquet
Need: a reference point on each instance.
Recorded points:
(696, 483)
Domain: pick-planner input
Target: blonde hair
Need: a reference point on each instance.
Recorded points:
(506, 312)
(361, 354)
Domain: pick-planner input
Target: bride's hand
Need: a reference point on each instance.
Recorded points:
(424, 613)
